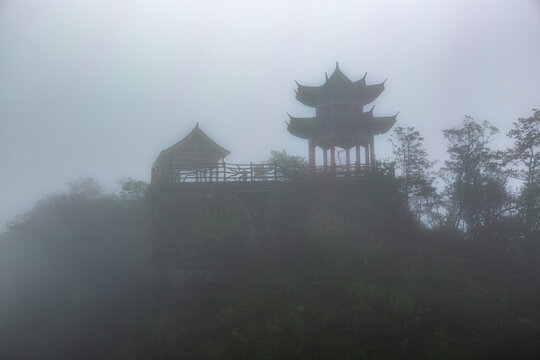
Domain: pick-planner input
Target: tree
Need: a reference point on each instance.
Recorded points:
(476, 185)
(415, 173)
(71, 255)
(524, 156)
(132, 189)
(85, 188)
(286, 164)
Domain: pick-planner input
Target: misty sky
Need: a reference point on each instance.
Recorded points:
(98, 87)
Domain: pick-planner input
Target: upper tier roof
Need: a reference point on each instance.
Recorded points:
(339, 89)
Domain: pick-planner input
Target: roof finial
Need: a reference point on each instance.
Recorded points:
(337, 64)
(197, 126)
(326, 75)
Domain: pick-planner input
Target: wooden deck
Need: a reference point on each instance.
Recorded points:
(264, 172)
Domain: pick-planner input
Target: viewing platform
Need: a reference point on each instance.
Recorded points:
(340, 122)
(265, 172)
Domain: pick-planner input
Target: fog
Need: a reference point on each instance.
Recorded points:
(415, 259)
(98, 88)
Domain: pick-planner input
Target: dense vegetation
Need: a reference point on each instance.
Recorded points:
(377, 269)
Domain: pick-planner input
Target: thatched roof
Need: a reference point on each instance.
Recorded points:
(195, 149)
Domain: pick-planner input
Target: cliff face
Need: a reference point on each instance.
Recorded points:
(307, 270)
(216, 232)
(327, 270)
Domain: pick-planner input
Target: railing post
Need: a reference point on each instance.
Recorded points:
(251, 171)
(275, 172)
(224, 172)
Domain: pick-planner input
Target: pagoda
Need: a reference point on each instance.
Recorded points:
(340, 120)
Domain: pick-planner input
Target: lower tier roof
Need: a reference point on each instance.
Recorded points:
(340, 126)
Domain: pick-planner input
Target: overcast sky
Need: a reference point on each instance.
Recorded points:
(98, 87)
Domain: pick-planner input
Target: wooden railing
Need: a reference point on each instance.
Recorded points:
(264, 172)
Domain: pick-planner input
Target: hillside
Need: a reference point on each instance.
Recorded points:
(337, 270)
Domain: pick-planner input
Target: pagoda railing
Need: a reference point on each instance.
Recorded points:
(264, 172)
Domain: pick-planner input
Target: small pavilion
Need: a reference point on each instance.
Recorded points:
(196, 152)
(340, 120)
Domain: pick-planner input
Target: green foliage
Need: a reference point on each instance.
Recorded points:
(132, 189)
(524, 156)
(69, 267)
(476, 185)
(286, 164)
(416, 174)
(86, 188)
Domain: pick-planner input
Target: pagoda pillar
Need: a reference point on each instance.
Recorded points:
(357, 152)
(366, 154)
(311, 154)
(325, 157)
(332, 155)
(348, 156)
(372, 151)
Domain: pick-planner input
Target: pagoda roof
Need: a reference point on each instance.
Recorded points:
(340, 125)
(338, 88)
(195, 148)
